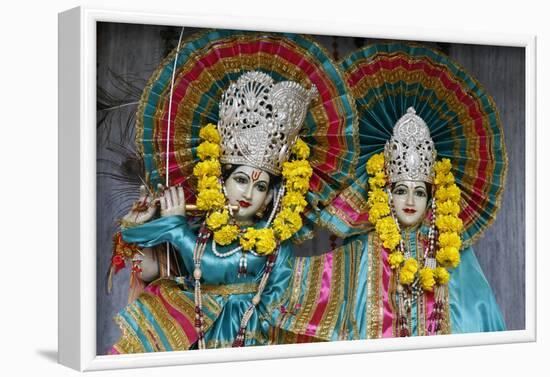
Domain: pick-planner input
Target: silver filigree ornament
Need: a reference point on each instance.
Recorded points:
(260, 120)
(410, 153)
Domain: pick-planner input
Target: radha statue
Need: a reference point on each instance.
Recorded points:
(271, 153)
(406, 267)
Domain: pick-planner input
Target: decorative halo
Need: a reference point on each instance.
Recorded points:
(205, 66)
(385, 80)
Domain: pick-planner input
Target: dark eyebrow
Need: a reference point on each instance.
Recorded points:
(420, 187)
(243, 173)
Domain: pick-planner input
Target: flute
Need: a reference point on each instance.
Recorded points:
(193, 207)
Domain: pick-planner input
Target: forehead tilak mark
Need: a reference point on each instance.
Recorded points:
(256, 175)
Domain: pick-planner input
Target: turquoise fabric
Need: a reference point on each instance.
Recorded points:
(222, 271)
(472, 305)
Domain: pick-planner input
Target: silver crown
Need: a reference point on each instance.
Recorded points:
(410, 154)
(260, 121)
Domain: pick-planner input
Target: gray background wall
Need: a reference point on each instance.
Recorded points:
(128, 54)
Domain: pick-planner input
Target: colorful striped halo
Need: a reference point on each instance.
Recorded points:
(385, 80)
(206, 64)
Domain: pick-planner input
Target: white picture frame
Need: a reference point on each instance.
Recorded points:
(77, 190)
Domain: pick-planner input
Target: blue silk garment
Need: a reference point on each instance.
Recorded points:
(162, 318)
(350, 293)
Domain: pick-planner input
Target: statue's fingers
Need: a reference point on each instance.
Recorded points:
(162, 200)
(174, 196)
(168, 196)
(153, 203)
(181, 196)
(142, 192)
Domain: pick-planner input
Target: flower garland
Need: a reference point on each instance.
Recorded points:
(296, 175)
(447, 222)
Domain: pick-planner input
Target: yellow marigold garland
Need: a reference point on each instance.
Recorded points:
(217, 218)
(296, 174)
(448, 224)
(248, 239)
(207, 168)
(427, 278)
(208, 150)
(286, 223)
(408, 271)
(210, 198)
(210, 133)
(379, 211)
(441, 275)
(263, 240)
(395, 259)
(226, 234)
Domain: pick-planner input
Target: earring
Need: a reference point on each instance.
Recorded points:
(260, 213)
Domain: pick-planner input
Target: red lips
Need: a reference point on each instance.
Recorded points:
(409, 210)
(244, 204)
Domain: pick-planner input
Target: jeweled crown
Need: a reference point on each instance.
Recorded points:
(260, 120)
(410, 153)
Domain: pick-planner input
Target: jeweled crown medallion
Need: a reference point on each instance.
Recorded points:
(410, 153)
(260, 120)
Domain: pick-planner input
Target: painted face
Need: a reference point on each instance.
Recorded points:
(410, 199)
(248, 187)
